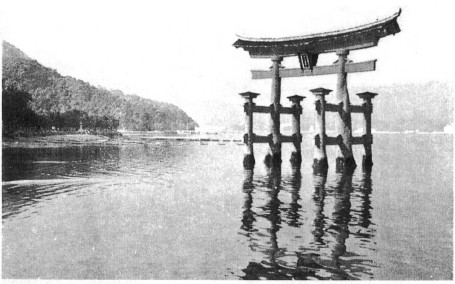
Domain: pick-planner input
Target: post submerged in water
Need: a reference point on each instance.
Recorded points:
(367, 161)
(320, 163)
(345, 159)
(273, 158)
(248, 138)
(296, 155)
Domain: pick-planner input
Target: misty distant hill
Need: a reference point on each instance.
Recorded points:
(424, 106)
(398, 107)
(53, 93)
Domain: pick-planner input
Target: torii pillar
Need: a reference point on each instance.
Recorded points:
(345, 159)
(320, 163)
(248, 138)
(296, 155)
(273, 158)
(367, 161)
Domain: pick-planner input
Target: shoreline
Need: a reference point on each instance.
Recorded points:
(55, 141)
(71, 140)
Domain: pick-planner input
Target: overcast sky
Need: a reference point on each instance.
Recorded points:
(181, 51)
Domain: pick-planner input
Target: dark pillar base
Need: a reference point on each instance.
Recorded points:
(345, 165)
(272, 160)
(320, 166)
(248, 161)
(367, 162)
(296, 159)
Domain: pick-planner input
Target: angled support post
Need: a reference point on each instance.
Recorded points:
(367, 161)
(273, 158)
(296, 155)
(345, 160)
(248, 138)
(320, 163)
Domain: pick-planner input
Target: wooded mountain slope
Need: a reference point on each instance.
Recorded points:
(53, 93)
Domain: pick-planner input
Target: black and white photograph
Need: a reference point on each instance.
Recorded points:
(227, 140)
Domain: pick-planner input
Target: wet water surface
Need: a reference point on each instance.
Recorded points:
(190, 211)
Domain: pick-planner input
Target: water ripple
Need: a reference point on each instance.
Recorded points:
(326, 256)
(186, 212)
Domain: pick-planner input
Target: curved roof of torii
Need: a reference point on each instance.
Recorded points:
(359, 37)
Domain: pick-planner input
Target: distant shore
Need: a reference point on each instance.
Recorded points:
(53, 141)
(71, 140)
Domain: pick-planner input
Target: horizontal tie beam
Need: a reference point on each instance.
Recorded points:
(332, 140)
(357, 140)
(267, 109)
(292, 138)
(365, 66)
(261, 109)
(357, 109)
(332, 107)
(336, 108)
(364, 139)
(268, 138)
(289, 110)
(261, 139)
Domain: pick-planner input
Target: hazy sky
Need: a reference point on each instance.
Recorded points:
(181, 51)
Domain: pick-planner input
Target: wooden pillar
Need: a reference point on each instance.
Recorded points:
(296, 155)
(248, 138)
(273, 158)
(320, 163)
(345, 160)
(367, 161)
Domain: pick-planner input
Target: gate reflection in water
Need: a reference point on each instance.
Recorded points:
(328, 256)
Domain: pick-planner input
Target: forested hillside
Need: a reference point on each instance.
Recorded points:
(58, 99)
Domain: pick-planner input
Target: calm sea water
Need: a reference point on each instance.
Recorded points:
(189, 211)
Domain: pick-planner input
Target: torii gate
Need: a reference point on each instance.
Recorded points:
(307, 49)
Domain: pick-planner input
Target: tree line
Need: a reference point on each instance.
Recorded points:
(57, 99)
(17, 115)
